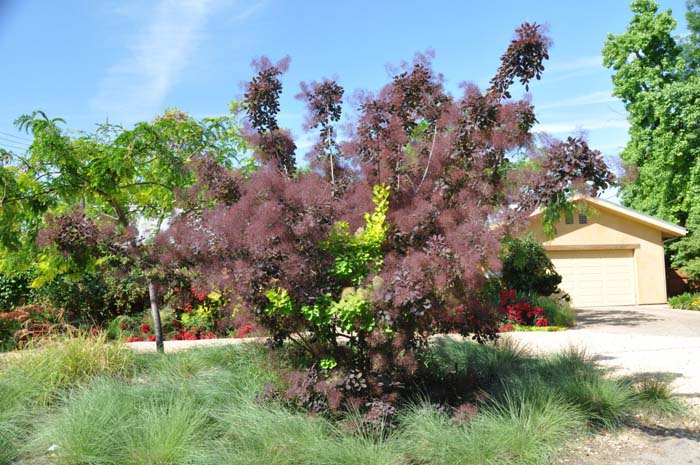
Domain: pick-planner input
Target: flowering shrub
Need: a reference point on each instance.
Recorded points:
(201, 310)
(516, 311)
(201, 314)
(30, 321)
(193, 314)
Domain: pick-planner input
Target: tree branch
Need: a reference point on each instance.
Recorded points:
(430, 156)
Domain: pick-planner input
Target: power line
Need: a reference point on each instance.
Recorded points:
(14, 141)
(15, 147)
(15, 137)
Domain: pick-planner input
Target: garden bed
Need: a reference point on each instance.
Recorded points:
(97, 402)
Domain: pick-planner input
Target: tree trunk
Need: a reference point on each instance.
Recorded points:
(157, 326)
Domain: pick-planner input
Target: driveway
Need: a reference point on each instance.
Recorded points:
(652, 339)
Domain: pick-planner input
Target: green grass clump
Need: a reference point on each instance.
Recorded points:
(489, 363)
(89, 425)
(655, 397)
(111, 421)
(685, 301)
(558, 311)
(570, 374)
(516, 430)
(33, 378)
(255, 434)
(40, 371)
(11, 433)
(605, 402)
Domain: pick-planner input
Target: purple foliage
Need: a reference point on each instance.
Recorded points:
(454, 193)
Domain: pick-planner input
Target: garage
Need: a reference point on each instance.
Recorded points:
(608, 255)
(597, 278)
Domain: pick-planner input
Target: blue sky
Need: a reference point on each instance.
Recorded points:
(128, 60)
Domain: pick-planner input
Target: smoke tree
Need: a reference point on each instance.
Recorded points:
(324, 103)
(361, 276)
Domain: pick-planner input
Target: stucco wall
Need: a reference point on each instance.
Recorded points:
(606, 227)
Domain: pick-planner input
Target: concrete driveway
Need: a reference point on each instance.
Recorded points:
(652, 339)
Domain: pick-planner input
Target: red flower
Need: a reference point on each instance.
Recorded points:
(145, 329)
(208, 335)
(542, 322)
(94, 331)
(133, 339)
(505, 328)
(539, 311)
(245, 330)
(187, 309)
(176, 289)
(189, 336)
(123, 326)
(201, 297)
(71, 314)
(152, 337)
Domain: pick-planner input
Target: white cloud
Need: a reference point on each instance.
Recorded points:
(593, 98)
(136, 87)
(581, 125)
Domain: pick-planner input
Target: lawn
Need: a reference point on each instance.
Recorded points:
(87, 401)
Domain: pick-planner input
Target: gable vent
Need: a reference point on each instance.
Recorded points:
(582, 219)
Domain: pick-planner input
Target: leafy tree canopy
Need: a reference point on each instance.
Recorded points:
(656, 76)
(124, 177)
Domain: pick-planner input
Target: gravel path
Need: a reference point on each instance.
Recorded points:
(650, 446)
(176, 346)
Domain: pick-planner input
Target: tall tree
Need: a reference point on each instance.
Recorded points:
(73, 203)
(656, 77)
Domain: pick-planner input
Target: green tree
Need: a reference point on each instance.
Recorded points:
(656, 77)
(91, 194)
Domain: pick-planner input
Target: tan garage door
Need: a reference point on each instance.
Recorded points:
(597, 278)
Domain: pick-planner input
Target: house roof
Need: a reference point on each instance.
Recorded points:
(668, 230)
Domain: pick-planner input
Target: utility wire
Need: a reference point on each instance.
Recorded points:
(14, 137)
(14, 141)
(15, 147)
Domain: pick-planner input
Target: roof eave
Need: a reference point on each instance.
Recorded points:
(668, 230)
